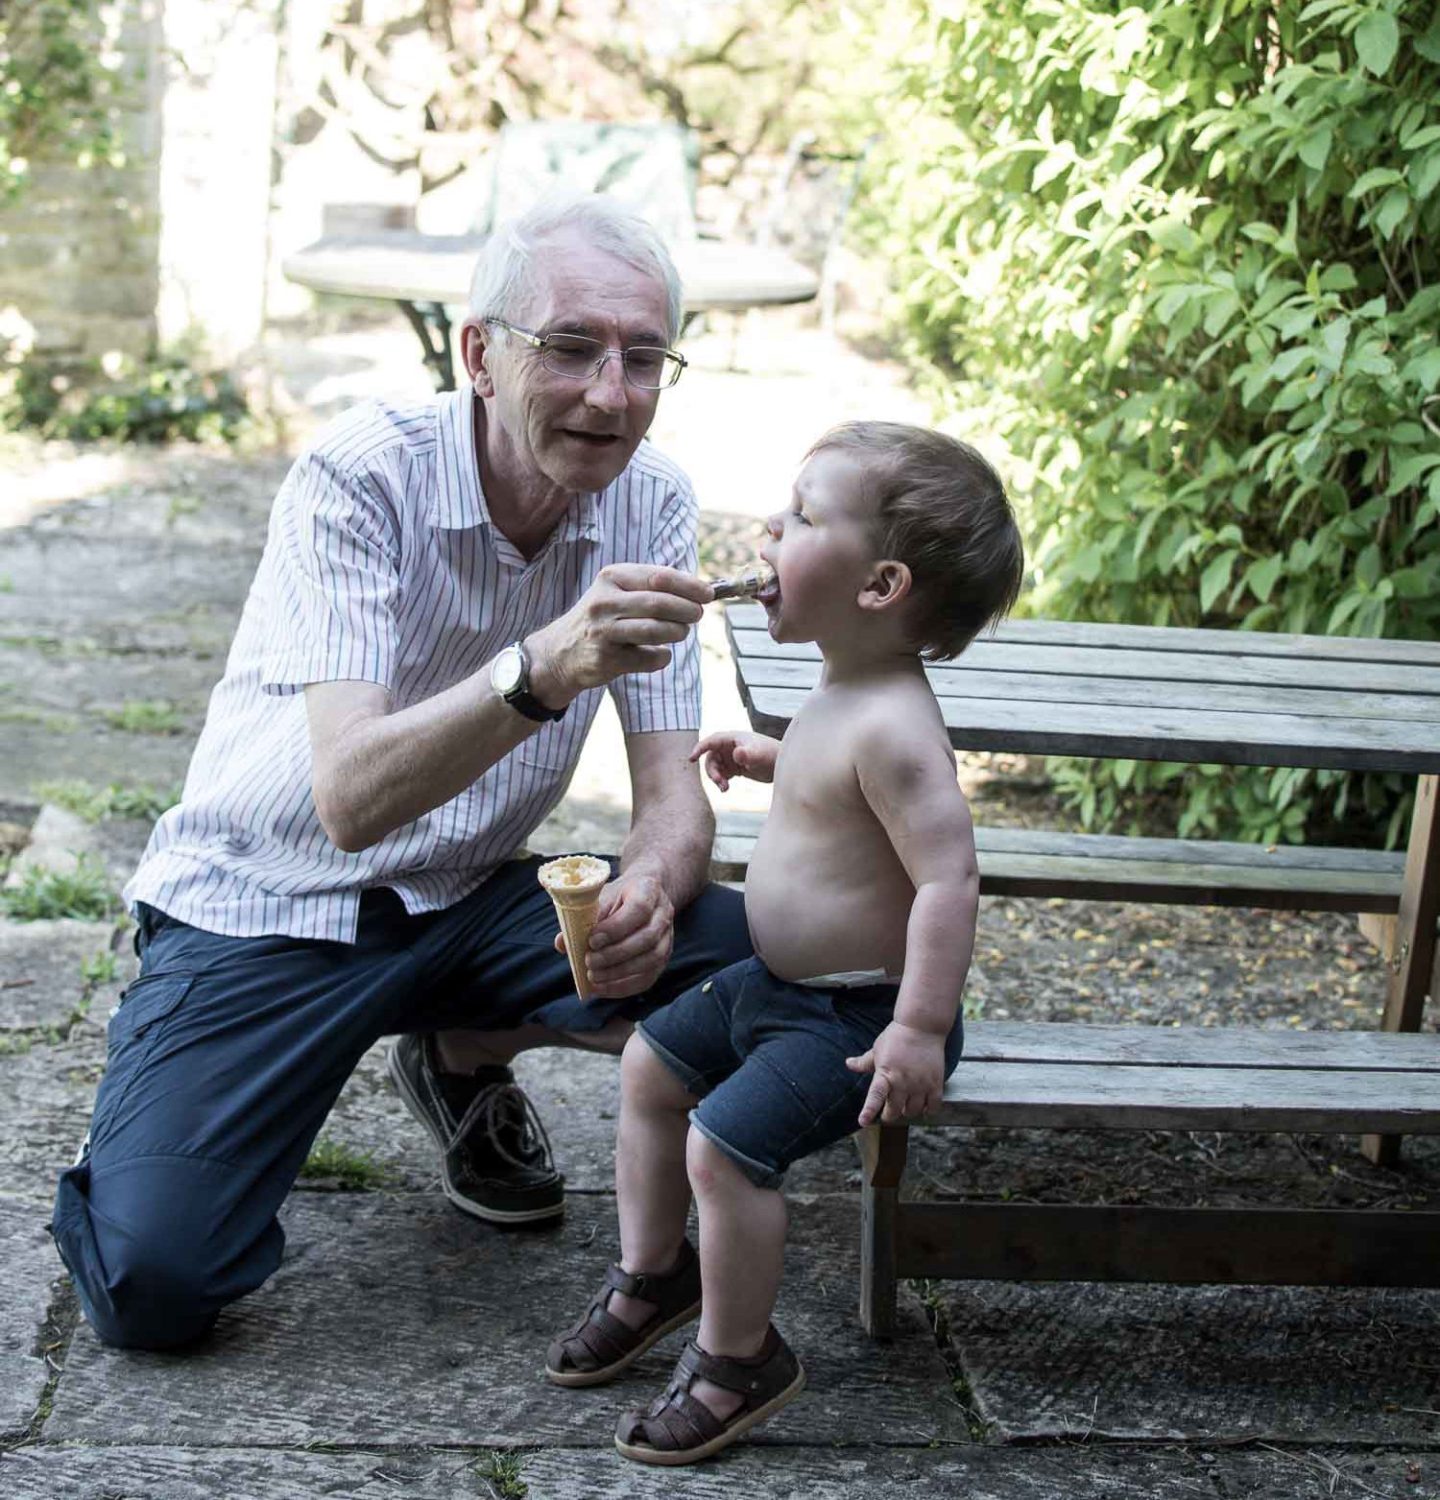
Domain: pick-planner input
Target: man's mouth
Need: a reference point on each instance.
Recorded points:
(591, 439)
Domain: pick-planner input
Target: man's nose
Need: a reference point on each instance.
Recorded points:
(607, 387)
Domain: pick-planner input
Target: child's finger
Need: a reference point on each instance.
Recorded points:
(865, 1063)
(876, 1100)
(560, 943)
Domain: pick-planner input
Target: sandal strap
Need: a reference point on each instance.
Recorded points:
(674, 1421)
(602, 1337)
(658, 1287)
(754, 1380)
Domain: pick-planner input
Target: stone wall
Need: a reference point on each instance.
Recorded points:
(78, 250)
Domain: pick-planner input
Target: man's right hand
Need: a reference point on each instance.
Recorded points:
(732, 753)
(626, 621)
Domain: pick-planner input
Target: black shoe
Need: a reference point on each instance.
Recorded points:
(494, 1153)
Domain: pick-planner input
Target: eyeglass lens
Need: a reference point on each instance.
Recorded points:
(570, 354)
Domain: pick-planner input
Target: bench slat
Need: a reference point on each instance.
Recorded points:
(1200, 1046)
(1187, 872)
(1218, 737)
(1237, 668)
(1204, 642)
(1122, 1096)
(1267, 1247)
(970, 681)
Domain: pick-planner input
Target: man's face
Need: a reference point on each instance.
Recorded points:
(577, 435)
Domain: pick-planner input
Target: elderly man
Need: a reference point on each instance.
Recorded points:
(445, 591)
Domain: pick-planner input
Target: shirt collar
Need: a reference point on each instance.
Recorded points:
(458, 501)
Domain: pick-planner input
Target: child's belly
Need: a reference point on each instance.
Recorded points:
(815, 909)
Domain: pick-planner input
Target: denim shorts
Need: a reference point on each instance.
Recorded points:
(766, 1058)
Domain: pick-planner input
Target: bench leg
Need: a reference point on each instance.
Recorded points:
(1412, 958)
(882, 1160)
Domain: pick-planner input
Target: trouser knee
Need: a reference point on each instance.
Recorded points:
(152, 1280)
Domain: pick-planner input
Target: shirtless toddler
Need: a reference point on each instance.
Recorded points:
(898, 546)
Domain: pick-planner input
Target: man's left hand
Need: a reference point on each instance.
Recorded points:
(633, 936)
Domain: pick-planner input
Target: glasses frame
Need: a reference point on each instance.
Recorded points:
(542, 341)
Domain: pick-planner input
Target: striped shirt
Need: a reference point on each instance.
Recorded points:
(382, 564)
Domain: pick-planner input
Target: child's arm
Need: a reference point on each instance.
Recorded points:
(913, 791)
(733, 753)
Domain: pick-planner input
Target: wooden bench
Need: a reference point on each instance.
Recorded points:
(1060, 1075)
(1046, 687)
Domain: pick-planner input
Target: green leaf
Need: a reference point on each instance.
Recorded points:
(1425, 174)
(1262, 574)
(1376, 177)
(1216, 578)
(1393, 207)
(1377, 38)
(1410, 468)
(1425, 370)
(1315, 148)
(1337, 278)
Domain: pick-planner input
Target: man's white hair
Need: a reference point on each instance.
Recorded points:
(505, 273)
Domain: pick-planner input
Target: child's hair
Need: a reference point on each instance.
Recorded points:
(942, 511)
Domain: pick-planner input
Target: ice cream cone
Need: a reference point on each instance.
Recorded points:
(574, 882)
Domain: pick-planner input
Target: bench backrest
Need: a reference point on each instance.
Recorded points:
(651, 167)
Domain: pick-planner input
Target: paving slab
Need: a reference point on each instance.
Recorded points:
(101, 592)
(1303, 1364)
(1096, 1472)
(395, 1319)
(31, 1268)
(41, 964)
(46, 1094)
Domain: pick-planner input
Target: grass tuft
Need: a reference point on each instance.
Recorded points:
(501, 1471)
(44, 895)
(354, 1171)
(96, 804)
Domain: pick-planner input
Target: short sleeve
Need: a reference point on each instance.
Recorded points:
(649, 702)
(334, 556)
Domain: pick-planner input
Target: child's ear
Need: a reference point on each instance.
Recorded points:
(476, 351)
(888, 583)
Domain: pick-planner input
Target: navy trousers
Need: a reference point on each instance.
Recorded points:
(226, 1054)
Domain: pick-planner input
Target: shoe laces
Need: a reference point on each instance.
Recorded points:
(501, 1111)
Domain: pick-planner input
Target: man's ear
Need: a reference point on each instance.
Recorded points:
(476, 350)
(889, 582)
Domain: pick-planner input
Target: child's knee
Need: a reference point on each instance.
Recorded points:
(710, 1170)
(647, 1082)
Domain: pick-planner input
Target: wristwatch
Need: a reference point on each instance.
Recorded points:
(510, 677)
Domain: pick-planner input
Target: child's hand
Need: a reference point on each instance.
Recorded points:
(909, 1069)
(737, 754)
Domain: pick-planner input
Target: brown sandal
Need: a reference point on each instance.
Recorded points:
(677, 1428)
(600, 1346)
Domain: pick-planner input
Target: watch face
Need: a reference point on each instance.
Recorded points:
(508, 672)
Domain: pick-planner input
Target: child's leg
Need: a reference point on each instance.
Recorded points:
(651, 1189)
(742, 1253)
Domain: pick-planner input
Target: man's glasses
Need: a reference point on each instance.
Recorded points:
(577, 358)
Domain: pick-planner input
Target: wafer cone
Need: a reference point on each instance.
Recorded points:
(574, 883)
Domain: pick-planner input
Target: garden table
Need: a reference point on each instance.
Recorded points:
(426, 274)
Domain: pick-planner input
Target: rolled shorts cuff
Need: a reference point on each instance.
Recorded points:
(694, 1082)
(761, 1175)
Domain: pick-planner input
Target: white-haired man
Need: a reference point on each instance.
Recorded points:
(446, 590)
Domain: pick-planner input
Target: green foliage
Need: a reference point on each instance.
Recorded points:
(146, 716)
(100, 968)
(45, 894)
(158, 401)
(1186, 254)
(96, 804)
(60, 87)
(502, 1472)
(354, 1171)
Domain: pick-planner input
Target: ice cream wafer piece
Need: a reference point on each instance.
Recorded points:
(744, 584)
(574, 882)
